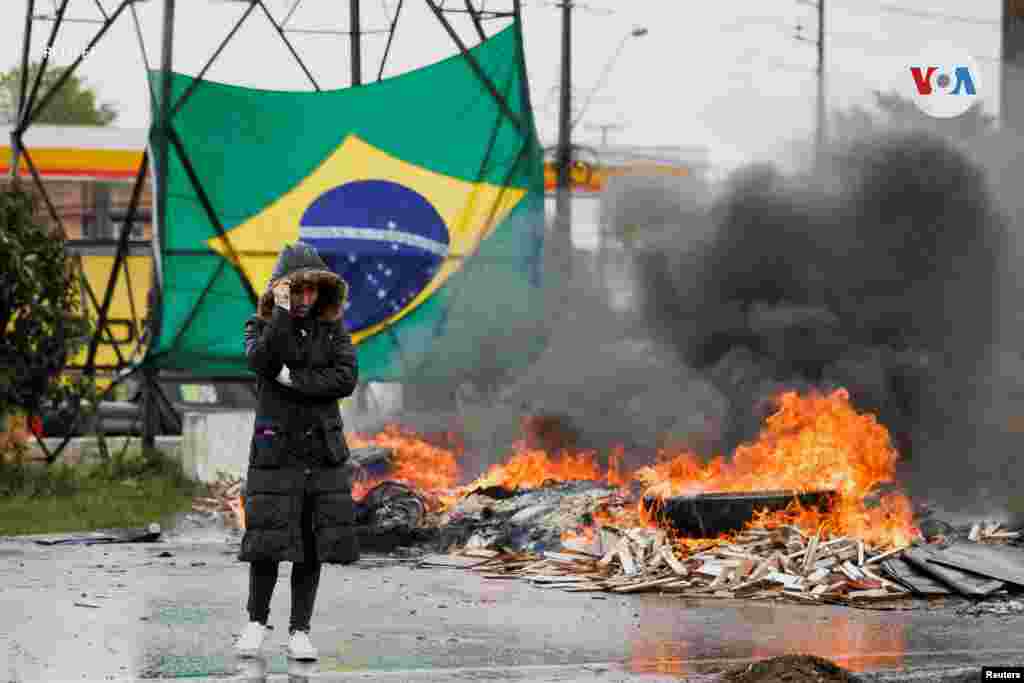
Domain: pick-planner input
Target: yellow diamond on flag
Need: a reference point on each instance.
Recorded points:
(363, 201)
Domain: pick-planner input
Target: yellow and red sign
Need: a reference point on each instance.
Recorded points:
(591, 178)
(78, 152)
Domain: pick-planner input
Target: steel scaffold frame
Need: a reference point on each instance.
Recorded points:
(31, 104)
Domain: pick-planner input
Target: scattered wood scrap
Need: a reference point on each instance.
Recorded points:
(779, 563)
(758, 564)
(225, 498)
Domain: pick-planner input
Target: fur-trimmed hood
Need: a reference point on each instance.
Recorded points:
(299, 263)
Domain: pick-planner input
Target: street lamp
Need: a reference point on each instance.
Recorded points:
(638, 32)
(563, 200)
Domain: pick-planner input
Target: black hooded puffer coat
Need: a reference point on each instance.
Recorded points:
(298, 446)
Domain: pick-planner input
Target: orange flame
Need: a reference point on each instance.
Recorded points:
(431, 470)
(531, 468)
(812, 443)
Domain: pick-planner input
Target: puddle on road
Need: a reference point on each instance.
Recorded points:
(856, 645)
(249, 668)
(189, 666)
(181, 614)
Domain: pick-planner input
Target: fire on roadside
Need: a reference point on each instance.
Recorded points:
(430, 469)
(811, 443)
(815, 442)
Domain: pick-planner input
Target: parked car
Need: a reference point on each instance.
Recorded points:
(124, 417)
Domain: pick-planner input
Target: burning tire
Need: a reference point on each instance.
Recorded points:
(391, 505)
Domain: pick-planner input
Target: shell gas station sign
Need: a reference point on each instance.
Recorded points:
(586, 177)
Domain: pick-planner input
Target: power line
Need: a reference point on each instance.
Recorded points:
(938, 16)
(920, 14)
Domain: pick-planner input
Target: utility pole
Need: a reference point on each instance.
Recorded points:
(820, 134)
(150, 388)
(820, 142)
(356, 38)
(21, 114)
(563, 192)
(1011, 66)
(605, 128)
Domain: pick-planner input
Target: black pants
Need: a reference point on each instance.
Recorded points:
(305, 580)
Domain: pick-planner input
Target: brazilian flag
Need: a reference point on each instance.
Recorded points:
(423, 191)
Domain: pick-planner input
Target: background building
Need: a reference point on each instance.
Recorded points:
(89, 173)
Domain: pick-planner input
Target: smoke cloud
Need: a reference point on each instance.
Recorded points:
(884, 270)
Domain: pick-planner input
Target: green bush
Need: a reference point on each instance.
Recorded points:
(136, 462)
(41, 321)
(129, 489)
(21, 477)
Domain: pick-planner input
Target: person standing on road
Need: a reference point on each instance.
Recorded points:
(298, 492)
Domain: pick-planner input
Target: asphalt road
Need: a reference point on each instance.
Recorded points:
(125, 612)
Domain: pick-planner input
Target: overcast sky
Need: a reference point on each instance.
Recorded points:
(728, 76)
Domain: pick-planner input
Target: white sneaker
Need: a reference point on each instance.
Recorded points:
(249, 643)
(300, 647)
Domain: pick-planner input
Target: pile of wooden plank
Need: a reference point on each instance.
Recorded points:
(990, 531)
(224, 498)
(759, 564)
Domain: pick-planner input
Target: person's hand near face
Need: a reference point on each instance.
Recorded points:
(283, 295)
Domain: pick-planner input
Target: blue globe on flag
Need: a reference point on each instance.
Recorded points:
(386, 240)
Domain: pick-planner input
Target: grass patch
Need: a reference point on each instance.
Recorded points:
(129, 490)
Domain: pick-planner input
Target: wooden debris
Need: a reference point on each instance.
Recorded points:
(670, 557)
(711, 569)
(560, 557)
(454, 561)
(812, 549)
(872, 593)
(656, 561)
(644, 585)
(608, 557)
(851, 571)
(758, 564)
(225, 499)
(818, 575)
(559, 579)
(890, 553)
(626, 558)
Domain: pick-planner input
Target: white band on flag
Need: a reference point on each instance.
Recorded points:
(374, 235)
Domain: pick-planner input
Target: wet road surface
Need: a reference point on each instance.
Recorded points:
(172, 610)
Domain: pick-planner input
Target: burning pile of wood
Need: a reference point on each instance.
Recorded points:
(758, 564)
(224, 498)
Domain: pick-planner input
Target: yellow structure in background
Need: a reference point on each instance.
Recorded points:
(86, 153)
(79, 165)
(591, 178)
(127, 307)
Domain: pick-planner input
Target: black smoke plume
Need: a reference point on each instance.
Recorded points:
(878, 272)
